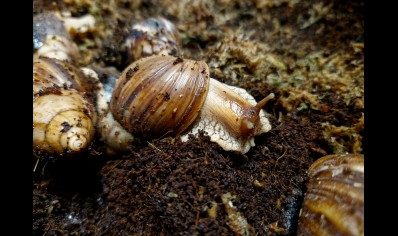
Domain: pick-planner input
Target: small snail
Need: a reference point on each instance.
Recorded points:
(334, 201)
(51, 39)
(160, 95)
(152, 36)
(63, 115)
(52, 31)
(110, 131)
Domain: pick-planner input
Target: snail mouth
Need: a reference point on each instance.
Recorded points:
(248, 126)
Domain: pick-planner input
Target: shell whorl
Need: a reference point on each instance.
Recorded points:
(63, 116)
(62, 122)
(160, 94)
(52, 73)
(334, 201)
(152, 36)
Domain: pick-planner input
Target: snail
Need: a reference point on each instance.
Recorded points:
(51, 34)
(51, 39)
(152, 36)
(334, 201)
(64, 118)
(111, 133)
(160, 95)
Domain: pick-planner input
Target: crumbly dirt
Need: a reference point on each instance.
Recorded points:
(309, 53)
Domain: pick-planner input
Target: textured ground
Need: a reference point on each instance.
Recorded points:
(309, 53)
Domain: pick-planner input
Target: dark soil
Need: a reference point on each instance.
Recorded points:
(166, 187)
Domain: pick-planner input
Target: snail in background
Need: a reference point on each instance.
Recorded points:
(334, 201)
(51, 34)
(152, 36)
(111, 133)
(63, 114)
(51, 39)
(160, 95)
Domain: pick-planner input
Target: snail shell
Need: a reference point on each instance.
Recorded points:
(51, 39)
(160, 95)
(63, 115)
(334, 201)
(153, 36)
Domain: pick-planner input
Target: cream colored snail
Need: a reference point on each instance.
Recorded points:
(63, 115)
(111, 133)
(152, 36)
(51, 39)
(161, 95)
(51, 34)
(334, 201)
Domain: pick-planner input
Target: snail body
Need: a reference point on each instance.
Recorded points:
(334, 201)
(63, 114)
(231, 117)
(161, 95)
(111, 133)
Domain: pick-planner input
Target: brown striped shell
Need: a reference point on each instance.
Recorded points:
(158, 95)
(63, 116)
(334, 201)
(48, 73)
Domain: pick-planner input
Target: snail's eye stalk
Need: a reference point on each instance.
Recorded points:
(251, 116)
